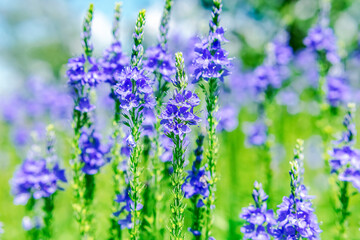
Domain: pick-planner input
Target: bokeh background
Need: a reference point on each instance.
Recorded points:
(37, 37)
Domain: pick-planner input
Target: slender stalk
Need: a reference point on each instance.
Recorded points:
(33, 233)
(48, 217)
(211, 106)
(177, 207)
(135, 184)
(136, 120)
(115, 230)
(343, 210)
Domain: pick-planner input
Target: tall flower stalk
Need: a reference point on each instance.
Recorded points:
(38, 178)
(344, 164)
(161, 64)
(113, 62)
(135, 93)
(211, 64)
(83, 75)
(296, 217)
(176, 118)
(196, 189)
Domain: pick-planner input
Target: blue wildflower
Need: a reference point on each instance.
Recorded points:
(112, 63)
(345, 160)
(211, 60)
(35, 179)
(256, 133)
(322, 39)
(338, 90)
(179, 113)
(259, 220)
(296, 218)
(92, 152)
(196, 183)
(227, 118)
(134, 89)
(126, 204)
(157, 59)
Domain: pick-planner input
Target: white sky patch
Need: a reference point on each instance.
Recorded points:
(101, 31)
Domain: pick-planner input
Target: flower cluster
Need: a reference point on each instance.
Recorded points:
(80, 74)
(157, 59)
(322, 39)
(283, 53)
(167, 146)
(211, 60)
(296, 218)
(179, 113)
(271, 74)
(92, 152)
(265, 77)
(256, 133)
(112, 63)
(125, 209)
(259, 220)
(227, 118)
(196, 181)
(35, 179)
(346, 159)
(338, 90)
(134, 89)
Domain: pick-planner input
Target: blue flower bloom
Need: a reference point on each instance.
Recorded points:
(283, 52)
(322, 39)
(112, 63)
(296, 218)
(256, 133)
(84, 105)
(227, 118)
(179, 113)
(157, 59)
(211, 60)
(266, 77)
(78, 76)
(125, 209)
(338, 90)
(35, 179)
(134, 89)
(345, 160)
(92, 152)
(259, 220)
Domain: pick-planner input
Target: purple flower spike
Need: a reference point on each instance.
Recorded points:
(35, 179)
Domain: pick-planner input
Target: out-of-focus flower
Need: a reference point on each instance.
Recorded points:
(338, 91)
(322, 39)
(35, 179)
(157, 59)
(92, 152)
(256, 133)
(112, 63)
(227, 118)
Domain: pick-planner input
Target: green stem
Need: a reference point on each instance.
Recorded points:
(135, 183)
(268, 170)
(32, 234)
(79, 183)
(198, 213)
(211, 105)
(48, 211)
(115, 230)
(344, 213)
(177, 206)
